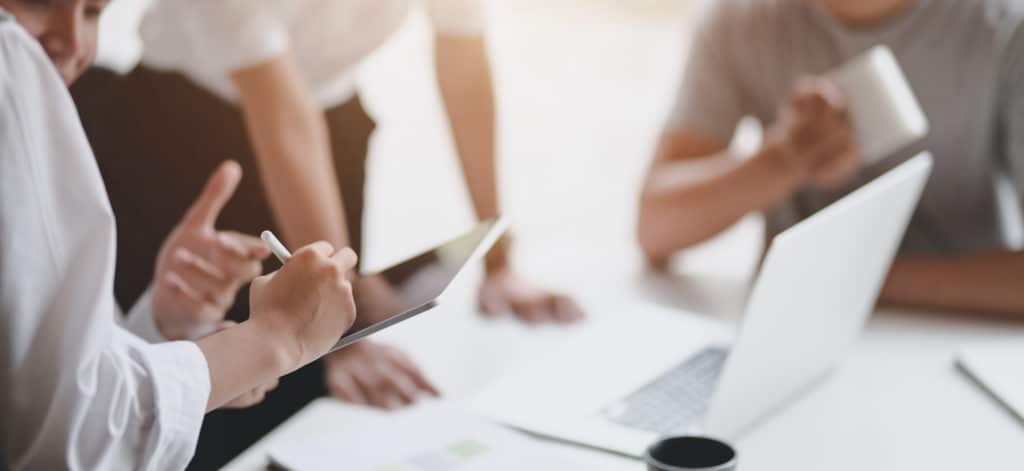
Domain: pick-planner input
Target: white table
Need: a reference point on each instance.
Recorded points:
(896, 403)
(583, 93)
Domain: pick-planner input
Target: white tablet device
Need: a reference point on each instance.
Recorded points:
(417, 284)
(886, 115)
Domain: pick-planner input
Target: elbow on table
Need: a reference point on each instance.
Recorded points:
(651, 234)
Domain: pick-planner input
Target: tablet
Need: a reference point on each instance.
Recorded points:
(416, 285)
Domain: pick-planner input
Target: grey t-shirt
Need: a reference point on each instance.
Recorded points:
(963, 58)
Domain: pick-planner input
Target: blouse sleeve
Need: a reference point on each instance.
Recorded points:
(76, 390)
(458, 17)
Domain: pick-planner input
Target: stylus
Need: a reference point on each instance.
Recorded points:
(280, 251)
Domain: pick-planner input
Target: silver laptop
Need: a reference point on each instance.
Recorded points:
(644, 371)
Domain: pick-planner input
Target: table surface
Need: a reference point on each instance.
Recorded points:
(575, 141)
(897, 402)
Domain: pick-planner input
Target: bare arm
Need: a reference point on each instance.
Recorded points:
(696, 189)
(241, 358)
(464, 78)
(289, 135)
(987, 281)
(298, 313)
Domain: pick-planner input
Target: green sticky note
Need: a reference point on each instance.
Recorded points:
(467, 449)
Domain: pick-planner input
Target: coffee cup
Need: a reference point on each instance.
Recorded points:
(690, 453)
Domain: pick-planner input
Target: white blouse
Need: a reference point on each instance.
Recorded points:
(77, 391)
(207, 39)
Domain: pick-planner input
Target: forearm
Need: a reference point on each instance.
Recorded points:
(292, 147)
(464, 80)
(299, 178)
(687, 201)
(241, 358)
(987, 282)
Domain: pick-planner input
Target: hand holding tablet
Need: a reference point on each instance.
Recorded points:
(415, 285)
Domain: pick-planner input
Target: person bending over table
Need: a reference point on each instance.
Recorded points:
(272, 84)
(766, 59)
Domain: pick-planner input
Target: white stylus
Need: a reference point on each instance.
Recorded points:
(280, 251)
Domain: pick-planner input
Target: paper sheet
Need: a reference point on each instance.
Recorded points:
(997, 368)
(430, 438)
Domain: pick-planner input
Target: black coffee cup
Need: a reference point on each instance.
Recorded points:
(690, 454)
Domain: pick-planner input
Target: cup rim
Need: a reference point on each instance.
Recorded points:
(650, 459)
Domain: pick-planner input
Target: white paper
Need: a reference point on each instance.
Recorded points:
(997, 368)
(428, 438)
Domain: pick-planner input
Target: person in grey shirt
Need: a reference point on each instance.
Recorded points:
(768, 59)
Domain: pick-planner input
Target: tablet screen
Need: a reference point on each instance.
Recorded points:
(414, 285)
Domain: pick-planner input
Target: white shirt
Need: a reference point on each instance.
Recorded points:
(77, 391)
(207, 39)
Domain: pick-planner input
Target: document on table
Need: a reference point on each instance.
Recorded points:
(428, 438)
(997, 368)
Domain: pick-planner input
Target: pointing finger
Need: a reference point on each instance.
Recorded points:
(215, 195)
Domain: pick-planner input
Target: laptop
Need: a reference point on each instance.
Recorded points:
(644, 371)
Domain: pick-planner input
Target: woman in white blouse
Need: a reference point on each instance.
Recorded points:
(271, 83)
(78, 390)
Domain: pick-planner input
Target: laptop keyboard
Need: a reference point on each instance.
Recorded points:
(670, 403)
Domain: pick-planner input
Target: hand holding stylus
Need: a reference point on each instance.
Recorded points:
(308, 302)
(279, 250)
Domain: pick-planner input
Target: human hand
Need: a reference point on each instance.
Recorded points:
(813, 135)
(374, 374)
(503, 290)
(200, 269)
(306, 306)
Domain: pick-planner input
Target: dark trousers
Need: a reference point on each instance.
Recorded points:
(157, 137)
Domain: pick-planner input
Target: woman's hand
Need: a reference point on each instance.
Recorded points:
(298, 313)
(306, 306)
(200, 269)
(505, 291)
(374, 374)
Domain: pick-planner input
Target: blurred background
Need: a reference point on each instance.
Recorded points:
(583, 87)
